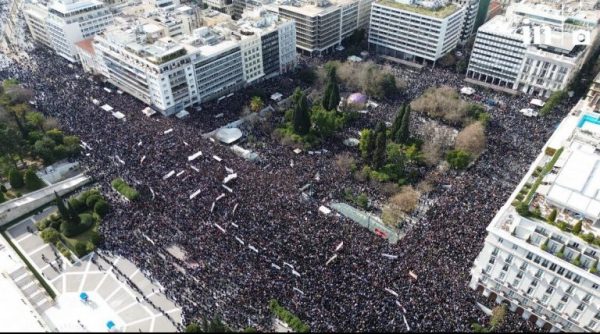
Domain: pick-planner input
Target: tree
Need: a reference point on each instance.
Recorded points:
(101, 207)
(44, 148)
(458, 159)
(334, 98)
(32, 181)
(50, 235)
(301, 117)
(366, 144)
(397, 123)
(403, 132)
(552, 216)
(577, 227)
(498, 315)
(15, 178)
(471, 139)
(379, 155)
(404, 202)
(256, 104)
(193, 328)
(522, 209)
(36, 119)
(325, 122)
(62, 209)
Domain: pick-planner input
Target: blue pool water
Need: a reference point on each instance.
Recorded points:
(588, 118)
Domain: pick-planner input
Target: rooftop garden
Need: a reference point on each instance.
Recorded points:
(440, 12)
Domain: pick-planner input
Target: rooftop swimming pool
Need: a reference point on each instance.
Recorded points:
(588, 119)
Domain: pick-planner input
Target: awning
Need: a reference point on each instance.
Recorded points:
(229, 135)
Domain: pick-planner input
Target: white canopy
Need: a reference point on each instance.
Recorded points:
(229, 135)
(96, 102)
(118, 115)
(182, 114)
(107, 90)
(467, 91)
(537, 102)
(355, 59)
(106, 107)
(149, 111)
(276, 97)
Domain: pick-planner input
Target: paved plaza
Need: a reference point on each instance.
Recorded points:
(110, 296)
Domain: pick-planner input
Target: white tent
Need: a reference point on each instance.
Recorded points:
(106, 107)
(537, 102)
(276, 97)
(96, 102)
(149, 111)
(354, 59)
(467, 91)
(118, 115)
(107, 90)
(229, 135)
(182, 114)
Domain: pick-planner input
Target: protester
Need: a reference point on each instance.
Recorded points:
(261, 240)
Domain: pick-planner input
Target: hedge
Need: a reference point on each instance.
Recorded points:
(125, 190)
(288, 317)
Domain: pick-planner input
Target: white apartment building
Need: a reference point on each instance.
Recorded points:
(471, 9)
(532, 48)
(171, 73)
(542, 270)
(415, 30)
(62, 23)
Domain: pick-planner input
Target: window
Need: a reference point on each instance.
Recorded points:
(553, 267)
(509, 258)
(529, 256)
(545, 263)
(554, 281)
(592, 324)
(569, 275)
(560, 307)
(581, 307)
(529, 291)
(514, 246)
(564, 298)
(570, 289)
(561, 270)
(520, 274)
(505, 267)
(587, 298)
(595, 286)
(534, 283)
(539, 273)
(549, 290)
(576, 315)
(545, 299)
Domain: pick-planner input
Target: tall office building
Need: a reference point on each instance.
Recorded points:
(62, 23)
(415, 31)
(533, 49)
(170, 73)
(542, 249)
(321, 25)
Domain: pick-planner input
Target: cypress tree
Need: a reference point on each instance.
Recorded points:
(380, 150)
(370, 149)
(397, 123)
(62, 209)
(32, 181)
(334, 98)
(404, 132)
(301, 121)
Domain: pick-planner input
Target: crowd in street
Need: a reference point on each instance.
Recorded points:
(256, 239)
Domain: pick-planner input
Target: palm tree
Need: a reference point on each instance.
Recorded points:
(256, 104)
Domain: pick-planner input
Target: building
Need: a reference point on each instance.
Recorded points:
(321, 25)
(536, 262)
(223, 6)
(593, 96)
(62, 23)
(170, 73)
(532, 48)
(415, 31)
(471, 11)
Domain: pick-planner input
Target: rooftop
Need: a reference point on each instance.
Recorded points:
(439, 12)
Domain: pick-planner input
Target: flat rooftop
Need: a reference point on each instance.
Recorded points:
(577, 185)
(440, 12)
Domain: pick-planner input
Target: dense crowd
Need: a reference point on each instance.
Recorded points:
(262, 240)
